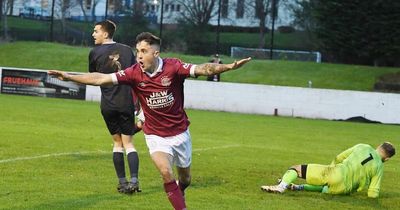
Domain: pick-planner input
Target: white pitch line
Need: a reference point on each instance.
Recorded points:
(214, 148)
(50, 155)
(97, 152)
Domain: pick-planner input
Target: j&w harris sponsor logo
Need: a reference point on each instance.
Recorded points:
(160, 100)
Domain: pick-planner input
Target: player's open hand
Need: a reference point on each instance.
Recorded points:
(59, 74)
(240, 63)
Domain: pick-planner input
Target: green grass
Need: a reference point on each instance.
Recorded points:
(30, 24)
(233, 154)
(297, 40)
(43, 55)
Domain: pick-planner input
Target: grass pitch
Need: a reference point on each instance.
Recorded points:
(56, 154)
(43, 55)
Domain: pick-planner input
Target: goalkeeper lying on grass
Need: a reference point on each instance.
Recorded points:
(355, 169)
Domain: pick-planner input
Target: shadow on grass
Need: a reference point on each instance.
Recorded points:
(90, 201)
(356, 200)
(359, 200)
(75, 203)
(206, 182)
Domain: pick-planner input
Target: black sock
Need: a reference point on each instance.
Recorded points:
(133, 162)
(119, 164)
(183, 186)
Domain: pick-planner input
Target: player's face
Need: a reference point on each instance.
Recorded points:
(99, 35)
(147, 56)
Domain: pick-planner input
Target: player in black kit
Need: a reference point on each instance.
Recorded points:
(117, 105)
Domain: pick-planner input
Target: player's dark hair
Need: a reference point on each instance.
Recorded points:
(107, 26)
(389, 149)
(149, 38)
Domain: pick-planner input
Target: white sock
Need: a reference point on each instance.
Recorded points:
(118, 149)
(283, 185)
(129, 150)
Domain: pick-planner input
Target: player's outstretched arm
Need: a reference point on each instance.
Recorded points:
(208, 69)
(95, 78)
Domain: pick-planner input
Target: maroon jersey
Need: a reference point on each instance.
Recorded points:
(160, 95)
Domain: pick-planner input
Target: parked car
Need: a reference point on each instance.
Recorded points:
(34, 13)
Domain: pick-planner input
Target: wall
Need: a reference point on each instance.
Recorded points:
(93, 93)
(288, 101)
(270, 100)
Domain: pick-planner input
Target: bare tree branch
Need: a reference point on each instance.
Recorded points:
(198, 12)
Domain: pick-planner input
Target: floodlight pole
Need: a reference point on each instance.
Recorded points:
(52, 21)
(218, 28)
(1, 9)
(161, 21)
(106, 12)
(273, 5)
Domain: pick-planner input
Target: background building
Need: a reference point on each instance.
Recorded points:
(241, 13)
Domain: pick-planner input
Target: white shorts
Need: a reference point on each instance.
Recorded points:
(179, 146)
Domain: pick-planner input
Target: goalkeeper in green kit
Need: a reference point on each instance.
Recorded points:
(357, 168)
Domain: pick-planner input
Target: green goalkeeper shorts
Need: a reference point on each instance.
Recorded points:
(332, 177)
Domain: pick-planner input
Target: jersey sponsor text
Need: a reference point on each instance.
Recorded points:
(160, 100)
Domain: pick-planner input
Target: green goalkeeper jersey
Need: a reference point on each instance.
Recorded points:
(361, 167)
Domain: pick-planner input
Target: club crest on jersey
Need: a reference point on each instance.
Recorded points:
(141, 84)
(121, 73)
(165, 81)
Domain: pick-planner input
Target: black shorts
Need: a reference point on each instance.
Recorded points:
(119, 122)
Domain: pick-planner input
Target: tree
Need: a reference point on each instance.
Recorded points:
(198, 12)
(132, 24)
(3, 14)
(94, 4)
(117, 7)
(193, 24)
(358, 31)
(64, 6)
(81, 4)
(10, 6)
(304, 20)
(262, 9)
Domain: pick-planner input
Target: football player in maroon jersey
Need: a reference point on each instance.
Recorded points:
(158, 84)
